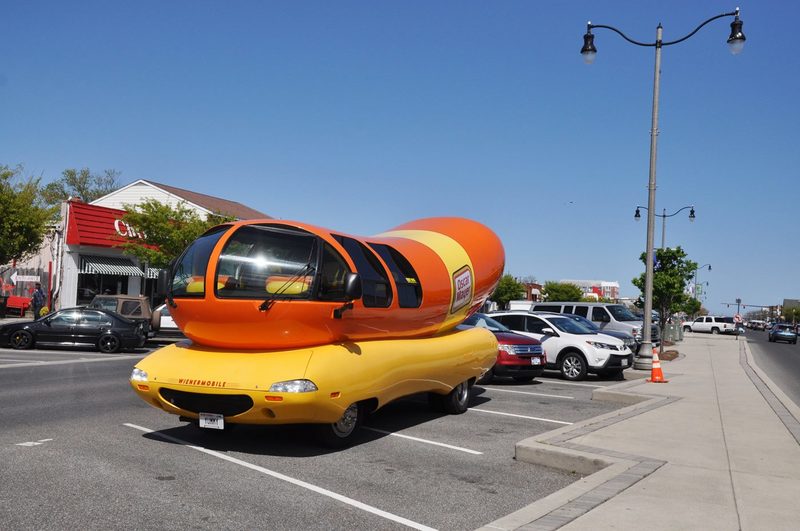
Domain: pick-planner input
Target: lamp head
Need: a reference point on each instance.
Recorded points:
(589, 52)
(691, 214)
(637, 216)
(737, 38)
(709, 267)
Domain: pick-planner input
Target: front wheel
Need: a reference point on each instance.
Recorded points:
(573, 366)
(21, 340)
(687, 329)
(341, 433)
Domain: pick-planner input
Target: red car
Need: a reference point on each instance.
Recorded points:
(519, 357)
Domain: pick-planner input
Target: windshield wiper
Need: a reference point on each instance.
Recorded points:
(269, 301)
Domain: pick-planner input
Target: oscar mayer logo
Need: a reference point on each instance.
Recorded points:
(462, 288)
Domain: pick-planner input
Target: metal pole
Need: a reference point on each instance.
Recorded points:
(645, 357)
(663, 228)
(695, 284)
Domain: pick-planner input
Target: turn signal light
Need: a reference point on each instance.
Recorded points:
(269, 398)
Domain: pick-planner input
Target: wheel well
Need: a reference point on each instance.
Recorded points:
(568, 350)
(370, 405)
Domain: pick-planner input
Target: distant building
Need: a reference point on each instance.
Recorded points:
(533, 291)
(600, 289)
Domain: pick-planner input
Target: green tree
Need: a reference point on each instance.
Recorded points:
(671, 272)
(792, 315)
(23, 216)
(508, 289)
(691, 307)
(164, 231)
(80, 183)
(561, 291)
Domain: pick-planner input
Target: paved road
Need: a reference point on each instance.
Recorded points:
(781, 362)
(80, 450)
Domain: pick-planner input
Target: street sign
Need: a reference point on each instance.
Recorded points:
(15, 278)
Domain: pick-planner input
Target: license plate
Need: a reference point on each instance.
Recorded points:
(624, 362)
(536, 361)
(213, 421)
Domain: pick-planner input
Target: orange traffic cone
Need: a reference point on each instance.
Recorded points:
(656, 376)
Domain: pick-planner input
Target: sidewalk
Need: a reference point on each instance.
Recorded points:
(718, 447)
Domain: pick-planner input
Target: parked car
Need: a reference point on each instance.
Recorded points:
(711, 323)
(518, 356)
(73, 327)
(134, 307)
(167, 327)
(782, 332)
(606, 315)
(569, 346)
(626, 338)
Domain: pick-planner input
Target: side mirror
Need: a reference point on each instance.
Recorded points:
(548, 331)
(162, 285)
(352, 286)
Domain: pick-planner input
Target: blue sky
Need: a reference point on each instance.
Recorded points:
(359, 116)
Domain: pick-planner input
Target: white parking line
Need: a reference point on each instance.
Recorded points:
(426, 441)
(65, 362)
(528, 393)
(520, 416)
(293, 481)
(562, 382)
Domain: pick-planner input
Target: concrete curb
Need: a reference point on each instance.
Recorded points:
(604, 473)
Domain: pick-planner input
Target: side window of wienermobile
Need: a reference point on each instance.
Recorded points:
(333, 272)
(188, 279)
(409, 290)
(377, 292)
(260, 261)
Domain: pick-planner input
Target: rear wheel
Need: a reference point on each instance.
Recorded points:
(455, 402)
(715, 331)
(108, 344)
(687, 329)
(21, 340)
(340, 434)
(573, 366)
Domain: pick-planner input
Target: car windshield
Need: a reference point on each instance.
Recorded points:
(621, 313)
(565, 324)
(584, 321)
(787, 328)
(484, 321)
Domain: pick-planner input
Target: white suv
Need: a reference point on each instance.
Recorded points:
(711, 323)
(569, 346)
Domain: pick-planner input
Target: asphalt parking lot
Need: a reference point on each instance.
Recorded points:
(79, 442)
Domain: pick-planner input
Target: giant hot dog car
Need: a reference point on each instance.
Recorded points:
(294, 323)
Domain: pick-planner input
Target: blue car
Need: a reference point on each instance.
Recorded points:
(783, 332)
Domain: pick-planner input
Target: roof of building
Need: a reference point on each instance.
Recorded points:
(213, 204)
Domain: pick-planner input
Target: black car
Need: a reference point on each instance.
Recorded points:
(76, 327)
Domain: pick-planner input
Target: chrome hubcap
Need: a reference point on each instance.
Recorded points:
(572, 367)
(345, 425)
(462, 392)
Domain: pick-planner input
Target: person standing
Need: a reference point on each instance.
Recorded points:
(37, 300)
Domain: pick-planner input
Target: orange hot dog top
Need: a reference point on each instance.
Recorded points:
(267, 284)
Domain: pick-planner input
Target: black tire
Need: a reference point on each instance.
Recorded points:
(523, 379)
(687, 329)
(21, 340)
(341, 433)
(455, 402)
(572, 366)
(487, 378)
(108, 344)
(715, 331)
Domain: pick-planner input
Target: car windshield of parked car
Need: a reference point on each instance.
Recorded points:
(567, 325)
(621, 313)
(584, 321)
(484, 321)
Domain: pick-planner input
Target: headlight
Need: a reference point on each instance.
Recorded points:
(597, 344)
(293, 386)
(138, 375)
(508, 349)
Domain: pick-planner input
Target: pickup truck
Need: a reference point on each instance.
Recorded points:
(711, 324)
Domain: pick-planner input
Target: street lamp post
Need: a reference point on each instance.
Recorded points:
(637, 216)
(589, 52)
(695, 277)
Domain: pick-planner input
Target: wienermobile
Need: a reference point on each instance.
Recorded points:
(295, 323)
